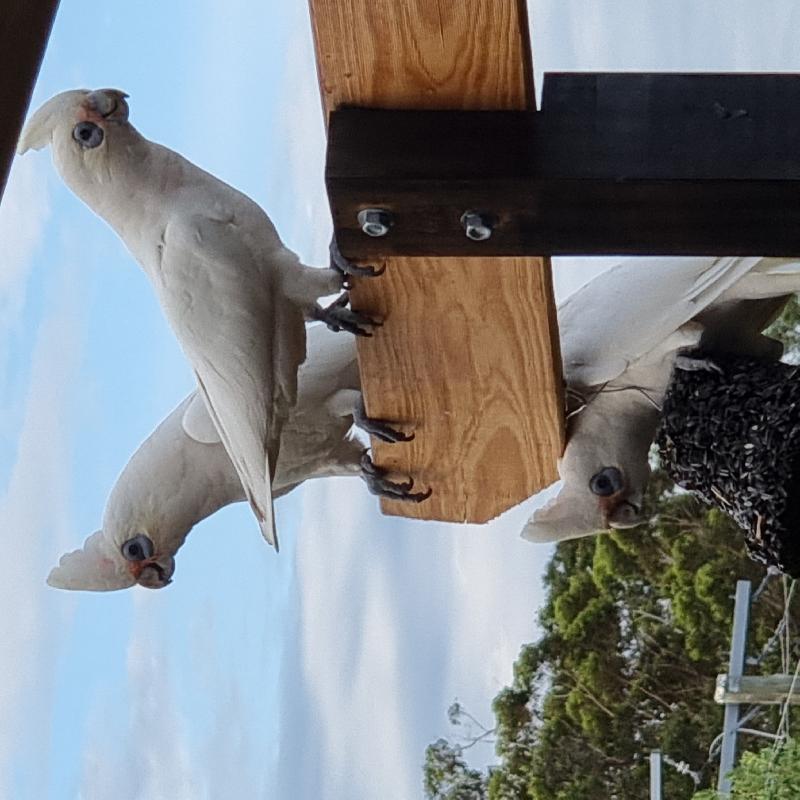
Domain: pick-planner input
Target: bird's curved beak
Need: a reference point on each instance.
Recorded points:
(155, 572)
(105, 104)
(626, 514)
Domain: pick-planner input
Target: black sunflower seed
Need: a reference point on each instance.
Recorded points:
(733, 439)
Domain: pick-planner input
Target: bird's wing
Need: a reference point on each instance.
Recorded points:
(244, 342)
(92, 568)
(197, 423)
(331, 364)
(625, 312)
(248, 452)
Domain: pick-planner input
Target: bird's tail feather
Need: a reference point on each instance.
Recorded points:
(265, 514)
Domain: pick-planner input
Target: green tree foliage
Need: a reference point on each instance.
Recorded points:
(636, 626)
(787, 329)
(766, 775)
(447, 775)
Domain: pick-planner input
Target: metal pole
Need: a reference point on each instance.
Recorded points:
(741, 618)
(655, 775)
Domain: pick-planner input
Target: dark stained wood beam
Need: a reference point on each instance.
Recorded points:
(649, 164)
(24, 29)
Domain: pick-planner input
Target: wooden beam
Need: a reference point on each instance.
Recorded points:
(468, 354)
(757, 689)
(648, 164)
(423, 53)
(24, 29)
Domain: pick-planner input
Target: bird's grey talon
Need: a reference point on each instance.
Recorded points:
(377, 482)
(364, 319)
(367, 464)
(366, 271)
(341, 301)
(382, 430)
(347, 268)
(379, 428)
(340, 318)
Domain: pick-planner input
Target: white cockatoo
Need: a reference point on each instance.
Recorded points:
(620, 336)
(234, 295)
(181, 473)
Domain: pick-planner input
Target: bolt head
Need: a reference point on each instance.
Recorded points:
(477, 226)
(375, 221)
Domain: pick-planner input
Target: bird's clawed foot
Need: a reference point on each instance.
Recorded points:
(340, 318)
(697, 364)
(377, 482)
(379, 428)
(347, 269)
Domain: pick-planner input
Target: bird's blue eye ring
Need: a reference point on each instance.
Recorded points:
(88, 135)
(138, 548)
(606, 482)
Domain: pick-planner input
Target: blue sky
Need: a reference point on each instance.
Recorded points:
(322, 672)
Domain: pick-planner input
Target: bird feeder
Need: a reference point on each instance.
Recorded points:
(733, 439)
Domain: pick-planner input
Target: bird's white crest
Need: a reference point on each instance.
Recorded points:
(38, 131)
(93, 568)
(567, 515)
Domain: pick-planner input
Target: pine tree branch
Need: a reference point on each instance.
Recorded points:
(585, 690)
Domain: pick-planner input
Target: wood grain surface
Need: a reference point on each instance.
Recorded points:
(479, 387)
(469, 54)
(468, 356)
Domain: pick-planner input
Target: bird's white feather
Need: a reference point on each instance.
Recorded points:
(92, 568)
(622, 314)
(38, 131)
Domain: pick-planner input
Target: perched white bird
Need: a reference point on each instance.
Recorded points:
(620, 335)
(234, 295)
(181, 473)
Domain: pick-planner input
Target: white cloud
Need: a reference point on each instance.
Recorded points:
(35, 511)
(152, 746)
(650, 35)
(154, 761)
(24, 210)
(394, 620)
(300, 134)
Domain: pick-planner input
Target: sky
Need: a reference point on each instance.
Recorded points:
(322, 672)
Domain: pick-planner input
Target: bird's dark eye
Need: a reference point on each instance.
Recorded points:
(87, 134)
(606, 482)
(137, 549)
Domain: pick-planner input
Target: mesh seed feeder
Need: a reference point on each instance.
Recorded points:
(733, 439)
